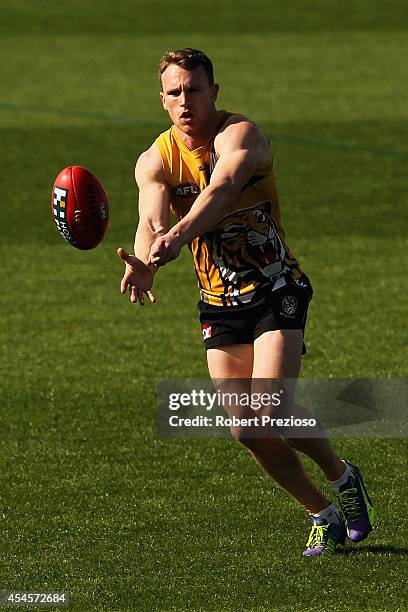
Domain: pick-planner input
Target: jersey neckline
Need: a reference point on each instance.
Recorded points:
(199, 151)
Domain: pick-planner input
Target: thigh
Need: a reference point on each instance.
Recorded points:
(277, 354)
(231, 361)
(230, 369)
(277, 357)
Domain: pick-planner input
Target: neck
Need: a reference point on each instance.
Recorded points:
(194, 141)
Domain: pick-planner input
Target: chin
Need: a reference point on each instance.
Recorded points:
(187, 128)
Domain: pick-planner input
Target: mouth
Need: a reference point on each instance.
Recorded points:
(268, 256)
(186, 115)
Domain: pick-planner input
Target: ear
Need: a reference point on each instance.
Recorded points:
(215, 88)
(163, 100)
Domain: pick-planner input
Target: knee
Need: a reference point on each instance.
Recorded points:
(244, 437)
(254, 444)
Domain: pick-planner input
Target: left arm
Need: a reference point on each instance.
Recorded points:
(240, 147)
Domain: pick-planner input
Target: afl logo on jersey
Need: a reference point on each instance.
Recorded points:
(186, 190)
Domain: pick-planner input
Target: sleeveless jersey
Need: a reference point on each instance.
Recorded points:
(246, 251)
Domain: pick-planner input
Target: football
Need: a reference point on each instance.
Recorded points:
(79, 207)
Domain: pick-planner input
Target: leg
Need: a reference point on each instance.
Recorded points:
(277, 355)
(274, 455)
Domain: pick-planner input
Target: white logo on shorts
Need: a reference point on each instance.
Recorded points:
(206, 331)
(289, 304)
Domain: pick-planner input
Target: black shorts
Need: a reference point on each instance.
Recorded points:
(284, 308)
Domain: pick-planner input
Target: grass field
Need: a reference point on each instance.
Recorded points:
(91, 501)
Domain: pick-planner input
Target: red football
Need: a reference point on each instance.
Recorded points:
(80, 207)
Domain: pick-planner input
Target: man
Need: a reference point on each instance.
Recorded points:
(214, 171)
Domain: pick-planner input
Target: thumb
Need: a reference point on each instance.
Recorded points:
(154, 252)
(122, 253)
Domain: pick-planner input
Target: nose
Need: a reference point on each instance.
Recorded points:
(184, 98)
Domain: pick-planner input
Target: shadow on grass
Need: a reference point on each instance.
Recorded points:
(375, 550)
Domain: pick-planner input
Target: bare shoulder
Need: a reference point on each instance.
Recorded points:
(149, 166)
(239, 132)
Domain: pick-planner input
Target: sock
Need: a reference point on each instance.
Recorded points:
(336, 484)
(331, 514)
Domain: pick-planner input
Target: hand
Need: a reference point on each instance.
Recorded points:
(165, 249)
(137, 278)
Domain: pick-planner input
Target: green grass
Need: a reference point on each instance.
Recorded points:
(91, 501)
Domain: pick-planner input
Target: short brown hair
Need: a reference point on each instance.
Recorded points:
(188, 59)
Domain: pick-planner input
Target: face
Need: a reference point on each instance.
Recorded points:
(188, 98)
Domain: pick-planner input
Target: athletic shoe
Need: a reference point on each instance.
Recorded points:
(356, 506)
(324, 537)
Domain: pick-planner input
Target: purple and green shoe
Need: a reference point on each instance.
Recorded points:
(324, 537)
(356, 506)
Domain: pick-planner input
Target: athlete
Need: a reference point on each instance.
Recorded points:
(214, 170)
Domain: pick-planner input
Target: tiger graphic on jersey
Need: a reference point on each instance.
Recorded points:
(248, 247)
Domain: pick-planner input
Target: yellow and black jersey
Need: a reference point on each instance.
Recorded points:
(247, 249)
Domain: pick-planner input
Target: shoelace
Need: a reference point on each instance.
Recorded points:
(349, 503)
(317, 536)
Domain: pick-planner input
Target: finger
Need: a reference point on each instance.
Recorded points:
(130, 291)
(151, 296)
(124, 283)
(154, 254)
(140, 297)
(133, 294)
(156, 260)
(122, 253)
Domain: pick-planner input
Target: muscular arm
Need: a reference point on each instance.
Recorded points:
(154, 202)
(241, 148)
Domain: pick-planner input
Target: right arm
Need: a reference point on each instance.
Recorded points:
(154, 200)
